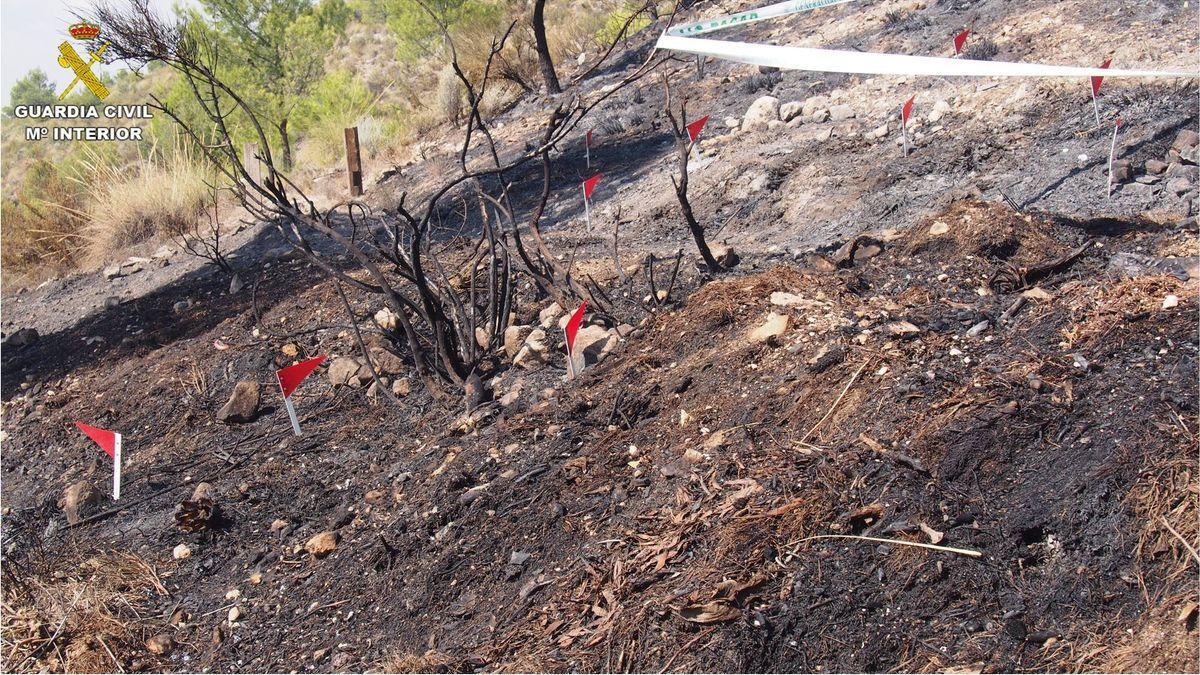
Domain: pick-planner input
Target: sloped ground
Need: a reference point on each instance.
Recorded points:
(656, 514)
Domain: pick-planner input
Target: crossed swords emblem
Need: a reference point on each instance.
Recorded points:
(69, 58)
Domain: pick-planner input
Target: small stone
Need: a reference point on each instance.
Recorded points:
(938, 228)
(401, 387)
(760, 114)
(291, 349)
(1036, 293)
(242, 405)
(160, 644)
(1155, 166)
(903, 329)
(344, 371)
(725, 254)
(322, 544)
(518, 558)
(1170, 301)
(181, 552)
(693, 456)
(234, 614)
(233, 594)
(514, 339)
(79, 501)
(535, 352)
(549, 315)
(1186, 138)
(182, 306)
(1122, 171)
(841, 113)
(813, 104)
(22, 338)
(387, 319)
(774, 326)
(112, 272)
(783, 299)
(790, 110)
(278, 524)
(978, 329)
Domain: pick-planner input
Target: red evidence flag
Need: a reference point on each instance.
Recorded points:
(1097, 80)
(589, 186)
(110, 443)
(960, 41)
(107, 440)
(696, 127)
(292, 376)
(906, 110)
(573, 327)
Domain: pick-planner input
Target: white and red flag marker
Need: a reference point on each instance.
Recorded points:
(960, 41)
(109, 442)
(1096, 82)
(570, 331)
(587, 148)
(589, 186)
(905, 113)
(1112, 155)
(290, 378)
(694, 129)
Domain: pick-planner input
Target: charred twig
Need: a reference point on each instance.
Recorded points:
(1010, 278)
(683, 149)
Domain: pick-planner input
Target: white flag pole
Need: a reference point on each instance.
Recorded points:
(587, 210)
(287, 403)
(117, 466)
(904, 130)
(587, 150)
(570, 357)
(291, 410)
(1095, 103)
(1112, 153)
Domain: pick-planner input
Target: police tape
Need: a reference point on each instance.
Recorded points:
(750, 16)
(870, 63)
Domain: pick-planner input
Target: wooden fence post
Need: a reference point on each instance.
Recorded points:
(253, 165)
(354, 162)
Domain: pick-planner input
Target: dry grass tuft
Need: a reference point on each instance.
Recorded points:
(161, 193)
(79, 618)
(429, 662)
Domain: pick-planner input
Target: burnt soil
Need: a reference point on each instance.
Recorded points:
(639, 557)
(657, 514)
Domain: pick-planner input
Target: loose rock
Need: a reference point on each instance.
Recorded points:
(242, 405)
(761, 113)
(774, 326)
(79, 501)
(321, 545)
(160, 644)
(514, 339)
(22, 337)
(344, 371)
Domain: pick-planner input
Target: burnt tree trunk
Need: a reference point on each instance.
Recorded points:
(286, 140)
(543, 48)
